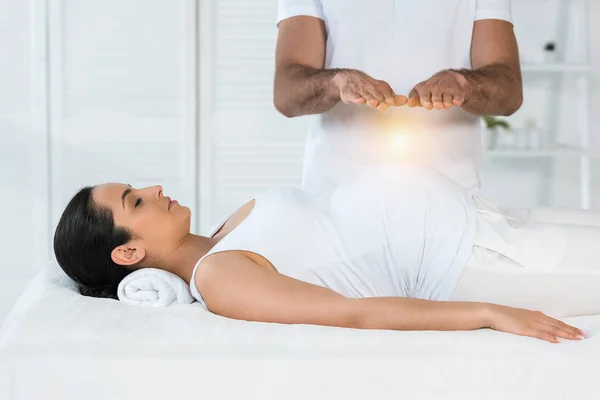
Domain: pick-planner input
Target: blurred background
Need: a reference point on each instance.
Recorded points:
(179, 93)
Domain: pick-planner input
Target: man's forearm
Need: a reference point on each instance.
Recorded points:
(493, 90)
(398, 313)
(301, 90)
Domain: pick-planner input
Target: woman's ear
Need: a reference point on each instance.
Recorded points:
(129, 253)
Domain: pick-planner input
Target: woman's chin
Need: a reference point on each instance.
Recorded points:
(186, 210)
(187, 215)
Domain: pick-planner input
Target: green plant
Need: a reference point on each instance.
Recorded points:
(493, 122)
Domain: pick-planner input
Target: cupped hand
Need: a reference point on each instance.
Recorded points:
(444, 90)
(532, 323)
(357, 87)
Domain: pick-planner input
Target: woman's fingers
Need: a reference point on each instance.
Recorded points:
(567, 331)
(532, 323)
(551, 331)
(572, 333)
(546, 336)
(560, 332)
(579, 331)
(559, 324)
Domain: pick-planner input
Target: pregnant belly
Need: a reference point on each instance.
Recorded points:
(427, 221)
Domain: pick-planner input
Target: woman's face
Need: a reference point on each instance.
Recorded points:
(158, 225)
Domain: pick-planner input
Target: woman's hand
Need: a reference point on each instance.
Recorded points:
(531, 323)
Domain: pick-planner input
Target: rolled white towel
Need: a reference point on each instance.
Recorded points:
(153, 287)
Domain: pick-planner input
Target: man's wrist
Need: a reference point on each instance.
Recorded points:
(339, 77)
(338, 81)
(463, 76)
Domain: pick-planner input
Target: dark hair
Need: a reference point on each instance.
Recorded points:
(84, 239)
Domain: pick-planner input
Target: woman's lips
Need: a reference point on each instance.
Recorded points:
(172, 203)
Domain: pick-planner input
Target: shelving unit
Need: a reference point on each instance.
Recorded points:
(583, 126)
(558, 151)
(528, 68)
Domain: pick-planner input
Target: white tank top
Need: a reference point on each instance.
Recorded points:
(394, 231)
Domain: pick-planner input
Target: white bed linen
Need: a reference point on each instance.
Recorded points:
(57, 344)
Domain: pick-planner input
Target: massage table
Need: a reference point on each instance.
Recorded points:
(57, 344)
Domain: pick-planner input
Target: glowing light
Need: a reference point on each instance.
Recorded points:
(399, 140)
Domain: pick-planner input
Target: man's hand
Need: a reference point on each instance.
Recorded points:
(442, 91)
(356, 87)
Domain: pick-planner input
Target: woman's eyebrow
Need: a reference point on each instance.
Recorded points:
(125, 193)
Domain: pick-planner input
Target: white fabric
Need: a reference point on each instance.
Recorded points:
(214, 228)
(58, 344)
(553, 267)
(154, 288)
(557, 215)
(485, 9)
(493, 9)
(535, 245)
(402, 43)
(402, 231)
(294, 8)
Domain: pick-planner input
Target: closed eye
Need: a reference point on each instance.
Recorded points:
(138, 202)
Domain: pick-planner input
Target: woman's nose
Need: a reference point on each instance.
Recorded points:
(154, 191)
(158, 190)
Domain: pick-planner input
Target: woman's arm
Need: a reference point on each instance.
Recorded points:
(234, 286)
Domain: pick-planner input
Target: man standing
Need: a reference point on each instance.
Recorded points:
(394, 81)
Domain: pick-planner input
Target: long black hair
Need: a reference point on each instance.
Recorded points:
(84, 239)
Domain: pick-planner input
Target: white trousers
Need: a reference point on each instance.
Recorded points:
(565, 285)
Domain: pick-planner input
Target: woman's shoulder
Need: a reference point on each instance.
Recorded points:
(207, 269)
(215, 260)
(221, 258)
(224, 265)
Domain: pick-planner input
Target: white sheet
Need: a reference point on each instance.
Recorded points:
(57, 344)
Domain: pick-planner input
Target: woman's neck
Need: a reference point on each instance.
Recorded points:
(182, 260)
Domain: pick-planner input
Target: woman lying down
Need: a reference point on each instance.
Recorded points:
(401, 248)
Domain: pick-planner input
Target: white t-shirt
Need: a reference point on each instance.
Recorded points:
(402, 42)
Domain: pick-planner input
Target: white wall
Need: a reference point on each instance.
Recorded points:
(23, 202)
(121, 106)
(246, 145)
(595, 50)
(121, 99)
(105, 92)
